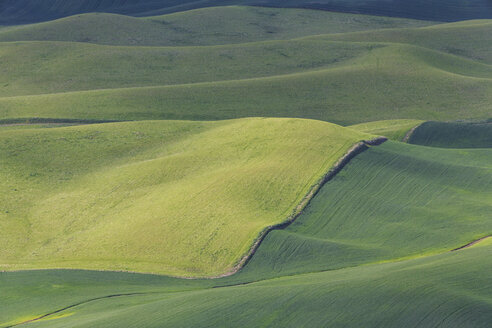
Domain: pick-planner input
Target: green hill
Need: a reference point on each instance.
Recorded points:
(394, 201)
(62, 67)
(208, 26)
(398, 208)
(343, 77)
(392, 129)
(397, 81)
(469, 39)
(200, 192)
(453, 135)
(145, 137)
(20, 11)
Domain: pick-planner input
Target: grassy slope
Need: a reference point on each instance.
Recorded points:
(16, 11)
(453, 135)
(451, 290)
(409, 202)
(62, 67)
(397, 81)
(392, 129)
(201, 192)
(209, 26)
(393, 201)
(471, 39)
(391, 228)
(309, 77)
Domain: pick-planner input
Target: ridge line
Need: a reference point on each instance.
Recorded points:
(355, 150)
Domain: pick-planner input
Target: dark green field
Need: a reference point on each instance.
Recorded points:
(25, 11)
(453, 135)
(394, 203)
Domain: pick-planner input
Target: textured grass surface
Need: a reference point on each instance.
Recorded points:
(471, 39)
(358, 77)
(76, 66)
(15, 11)
(397, 81)
(453, 135)
(209, 26)
(200, 192)
(189, 198)
(392, 129)
(393, 201)
(452, 290)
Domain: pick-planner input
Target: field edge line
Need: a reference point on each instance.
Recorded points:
(353, 151)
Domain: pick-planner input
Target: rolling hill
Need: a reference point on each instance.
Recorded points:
(392, 82)
(208, 26)
(141, 142)
(470, 39)
(201, 191)
(453, 134)
(340, 76)
(408, 217)
(25, 11)
(394, 201)
(392, 129)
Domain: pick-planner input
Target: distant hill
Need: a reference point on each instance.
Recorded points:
(29, 11)
(205, 26)
(453, 134)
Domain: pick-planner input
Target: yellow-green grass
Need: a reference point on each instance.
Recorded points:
(177, 198)
(471, 39)
(392, 82)
(447, 290)
(404, 205)
(392, 129)
(68, 66)
(217, 25)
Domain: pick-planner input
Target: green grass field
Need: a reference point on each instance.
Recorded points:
(77, 66)
(392, 129)
(392, 82)
(312, 65)
(20, 11)
(201, 192)
(141, 142)
(470, 39)
(393, 201)
(453, 135)
(427, 284)
(208, 26)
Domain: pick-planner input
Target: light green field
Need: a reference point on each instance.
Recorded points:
(453, 134)
(200, 192)
(326, 71)
(400, 207)
(169, 144)
(469, 39)
(397, 81)
(392, 129)
(207, 26)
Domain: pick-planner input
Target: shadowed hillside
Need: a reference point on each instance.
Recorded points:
(391, 201)
(27, 11)
(453, 135)
(207, 26)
